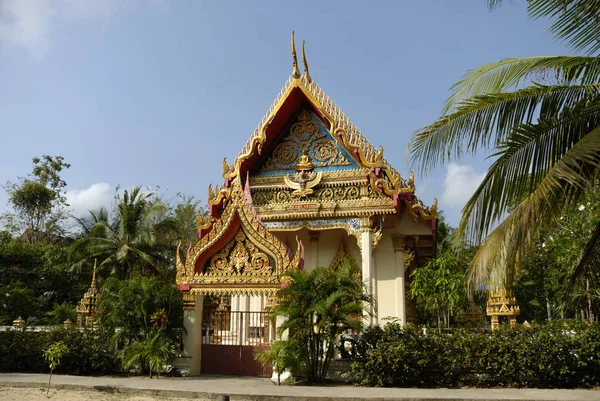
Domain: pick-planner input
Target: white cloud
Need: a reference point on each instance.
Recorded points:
(459, 185)
(96, 196)
(30, 23)
(26, 23)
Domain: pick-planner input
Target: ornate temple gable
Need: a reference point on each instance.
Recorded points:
(306, 136)
(339, 257)
(300, 91)
(238, 255)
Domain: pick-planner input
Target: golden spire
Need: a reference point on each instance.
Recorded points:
(305, 64)
(94, 275)
(295, 70)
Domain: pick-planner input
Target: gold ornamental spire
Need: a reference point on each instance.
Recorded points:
(94, 275)
(305, 64)
(295, 70)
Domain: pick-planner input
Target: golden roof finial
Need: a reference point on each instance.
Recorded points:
(305, 64)
(295, 70)
(94, 275)
(225, 167)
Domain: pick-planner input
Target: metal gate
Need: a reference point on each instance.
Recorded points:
(230, 340)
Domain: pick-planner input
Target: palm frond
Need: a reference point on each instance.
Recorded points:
(485, 120)
(498, 258)
(523, 162)
(493, 4)
(575, 22)
(512, 73)
(589, 266)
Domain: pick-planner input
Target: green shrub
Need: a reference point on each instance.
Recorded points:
(544, 356)
(89, 352)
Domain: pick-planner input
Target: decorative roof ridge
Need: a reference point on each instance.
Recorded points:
(344, 131)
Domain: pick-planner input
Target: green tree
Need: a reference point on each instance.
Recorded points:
(52, 355)
(151, 353)
(316, 308)
(38, 201)
(61, 313)
(444, 234)
(185, 213)
(133, 243)
(36, 277)
(132, 306)
(440, 287)
(542, 287)
(18, 300)
(539, 117)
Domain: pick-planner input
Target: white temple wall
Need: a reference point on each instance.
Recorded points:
(408, 226)
(388, 281)
(320, 247)
(246, 303)
(389, 269)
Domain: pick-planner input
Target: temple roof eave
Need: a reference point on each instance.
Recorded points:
(239, 216)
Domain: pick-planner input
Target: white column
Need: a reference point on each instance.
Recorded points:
(189, 320)
(399, 247)
(367, 260)
(314, 247)
(196, 334)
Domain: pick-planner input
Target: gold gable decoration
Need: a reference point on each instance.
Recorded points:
(470, 318)
(240, 256)
(339, 256)
(251, 263)
(305, 138)
(388, 181)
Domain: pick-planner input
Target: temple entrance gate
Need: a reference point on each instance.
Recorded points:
(231, 338)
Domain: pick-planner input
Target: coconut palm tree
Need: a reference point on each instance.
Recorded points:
(133, 242)
(539, 117)
(316, 308)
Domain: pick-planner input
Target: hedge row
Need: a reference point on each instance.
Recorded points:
(89, 352)
(549, 356)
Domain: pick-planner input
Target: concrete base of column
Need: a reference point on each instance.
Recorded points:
(196, 334)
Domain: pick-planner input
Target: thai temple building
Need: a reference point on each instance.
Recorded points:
(307, 190)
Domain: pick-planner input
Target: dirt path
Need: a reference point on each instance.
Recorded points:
(39, 394)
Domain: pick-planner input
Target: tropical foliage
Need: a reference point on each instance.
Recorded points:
(38, 201)
(539, 118)
(52, 355)
(133, 243)
(88, 351)
(545, 288)
(440, 287)
(315, 309)
(547, 356)
(151, 353)
(35, 280)
(138, 306)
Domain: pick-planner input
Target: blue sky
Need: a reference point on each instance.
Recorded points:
(156, 93)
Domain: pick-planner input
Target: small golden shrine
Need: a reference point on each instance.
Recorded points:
(502, 303)
(470, 318)
(88, 306)
(19, 322)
